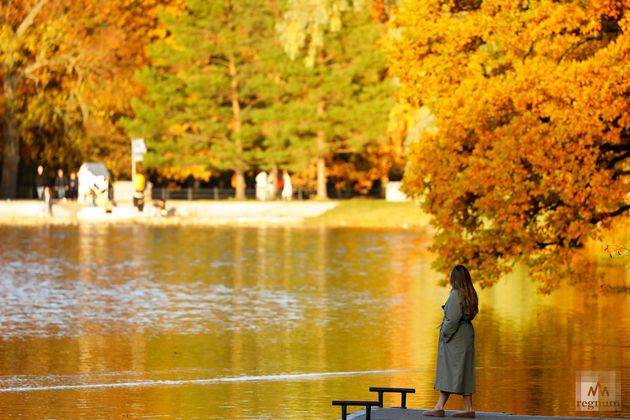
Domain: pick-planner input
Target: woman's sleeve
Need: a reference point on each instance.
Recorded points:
(452, 316)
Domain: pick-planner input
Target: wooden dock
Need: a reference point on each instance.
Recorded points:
(408, 414)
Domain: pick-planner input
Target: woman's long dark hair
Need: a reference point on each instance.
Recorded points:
(461, 281)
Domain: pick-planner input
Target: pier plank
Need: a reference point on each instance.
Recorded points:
(408, 414)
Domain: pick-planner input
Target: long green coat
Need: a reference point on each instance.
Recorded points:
(456, 349)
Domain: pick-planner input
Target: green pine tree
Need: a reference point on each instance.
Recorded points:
(209, 86)
(342, 95)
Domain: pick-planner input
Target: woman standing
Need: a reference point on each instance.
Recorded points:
(455, 372)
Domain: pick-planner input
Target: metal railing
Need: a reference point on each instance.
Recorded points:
(211, 193)
(190, 193)
(185, 193)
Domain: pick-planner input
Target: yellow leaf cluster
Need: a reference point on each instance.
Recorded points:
(530, 152)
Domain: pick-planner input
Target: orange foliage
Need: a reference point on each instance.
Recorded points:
(529, 154)
(117, 34)
(362, 170)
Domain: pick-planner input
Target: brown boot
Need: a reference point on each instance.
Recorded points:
(467, 414)
(433, 413)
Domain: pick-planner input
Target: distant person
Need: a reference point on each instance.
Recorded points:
(272, 185)
(61, 185)
(93, 196)
(160, 206)
(41, 181)
(287, 186)
(280, 186)
(48, 202)
(73, 186)
(110, 194)
(261, 186)
(140, 184)
(455, 373)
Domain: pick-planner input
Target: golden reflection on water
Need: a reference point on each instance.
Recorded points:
(95, 306)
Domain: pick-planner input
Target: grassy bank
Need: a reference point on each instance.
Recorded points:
(373, 213)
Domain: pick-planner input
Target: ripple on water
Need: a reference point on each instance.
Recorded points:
(35, 306)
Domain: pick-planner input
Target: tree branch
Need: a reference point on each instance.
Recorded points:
(617, 174)
(607, 147)
(76, 92)
(577, 45)
(619, 158)
(193, 136)
(608, 214)
(529, 51)
(219, 60)
(85, 110)
(7, 11)
(543, 245)
(62, 59)
(30, 18)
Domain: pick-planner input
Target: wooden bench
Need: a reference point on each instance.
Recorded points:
(403, 394)
(367, 404)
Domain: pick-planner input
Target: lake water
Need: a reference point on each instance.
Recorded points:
(274, 323)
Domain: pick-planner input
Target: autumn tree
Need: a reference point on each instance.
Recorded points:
(207, 84)
(67, 75)
(118, 34)
(39, 67)
(523, 152)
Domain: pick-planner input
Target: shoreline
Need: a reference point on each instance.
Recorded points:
(207, 222)
(374, 214)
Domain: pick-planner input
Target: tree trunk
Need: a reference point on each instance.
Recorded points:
(322, 194)
(274, 178)
(240, 184)
(11, 160)
(236, 129)
(11, 152)
(384, 182)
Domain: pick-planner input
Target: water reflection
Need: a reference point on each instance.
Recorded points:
(194, 307)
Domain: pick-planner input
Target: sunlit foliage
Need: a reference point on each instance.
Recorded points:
(523, 151)
(349, 97)
(67, 76)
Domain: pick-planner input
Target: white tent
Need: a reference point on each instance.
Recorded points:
(93, 183)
